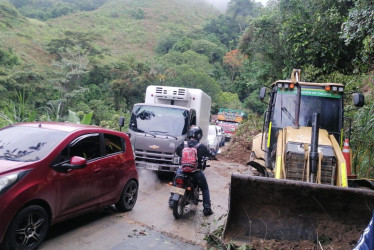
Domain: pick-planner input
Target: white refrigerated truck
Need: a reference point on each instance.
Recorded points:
(161, 123)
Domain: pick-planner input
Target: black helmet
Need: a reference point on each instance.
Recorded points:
(196, 133)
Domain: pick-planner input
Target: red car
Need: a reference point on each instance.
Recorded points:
(52, 171)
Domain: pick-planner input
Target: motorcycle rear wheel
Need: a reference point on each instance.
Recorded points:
(178, 207)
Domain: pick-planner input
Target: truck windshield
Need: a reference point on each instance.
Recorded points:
(228, 127)
(312, 101)
(159, 120)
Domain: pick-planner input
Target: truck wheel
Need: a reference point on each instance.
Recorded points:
(128, 196)
(178, 207)
(28, 228)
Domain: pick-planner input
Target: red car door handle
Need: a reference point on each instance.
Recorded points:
(97, 170)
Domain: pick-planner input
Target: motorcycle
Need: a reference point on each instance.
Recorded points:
(185, 191)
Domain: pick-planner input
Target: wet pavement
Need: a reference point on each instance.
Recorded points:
(151, 224)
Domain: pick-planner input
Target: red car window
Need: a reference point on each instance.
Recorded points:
(86, 146)
(113, 144)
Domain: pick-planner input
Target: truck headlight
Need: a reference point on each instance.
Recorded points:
(8, 180)
(176, 160)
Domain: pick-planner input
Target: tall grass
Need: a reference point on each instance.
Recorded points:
(18, 110)
(363, 142)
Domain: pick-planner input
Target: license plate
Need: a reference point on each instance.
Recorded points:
(177, 190)
(151, 166)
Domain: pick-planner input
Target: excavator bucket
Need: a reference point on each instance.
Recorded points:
(267, 208)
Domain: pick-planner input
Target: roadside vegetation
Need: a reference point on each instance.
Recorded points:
(61, 57)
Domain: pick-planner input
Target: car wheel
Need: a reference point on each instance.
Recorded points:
(128, 196)
(28, 228)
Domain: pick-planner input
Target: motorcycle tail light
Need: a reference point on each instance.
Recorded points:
(179, 181)
(189, 189)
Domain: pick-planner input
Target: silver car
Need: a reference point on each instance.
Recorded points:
(214, 138)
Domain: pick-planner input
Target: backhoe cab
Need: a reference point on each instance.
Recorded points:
(289, 119)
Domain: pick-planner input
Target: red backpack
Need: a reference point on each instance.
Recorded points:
(189, 158)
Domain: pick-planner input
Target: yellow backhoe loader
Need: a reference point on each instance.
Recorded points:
(304, 188)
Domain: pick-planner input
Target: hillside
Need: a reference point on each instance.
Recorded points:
(121, 28)
(98, 56)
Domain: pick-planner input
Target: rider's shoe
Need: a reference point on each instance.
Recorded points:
(207, 211)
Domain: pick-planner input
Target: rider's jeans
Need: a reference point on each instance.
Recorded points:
(203, 184)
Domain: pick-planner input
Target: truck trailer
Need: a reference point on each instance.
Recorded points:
(161, 123)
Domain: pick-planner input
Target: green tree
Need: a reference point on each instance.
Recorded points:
(73, 66)
(213, 51)
(194, 60)
(243, 8)
(8, 58)
(358, 31)
(182, 45)
(61, 10)
(72, 40)
(167, 43)
(226, 29)
(229, 100)
(262, 44)
(310, 34)
(138, 14)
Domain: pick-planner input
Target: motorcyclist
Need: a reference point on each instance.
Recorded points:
(194, 136)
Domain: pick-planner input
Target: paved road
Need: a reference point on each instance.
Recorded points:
(150, 225)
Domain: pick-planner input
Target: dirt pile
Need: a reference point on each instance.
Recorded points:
(239, 148)
(334, 236)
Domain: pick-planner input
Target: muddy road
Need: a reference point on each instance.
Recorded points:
(151, 223)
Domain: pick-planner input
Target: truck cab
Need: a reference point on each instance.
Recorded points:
(229, 120)
(161, 123)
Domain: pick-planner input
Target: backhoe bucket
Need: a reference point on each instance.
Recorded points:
(268, 208)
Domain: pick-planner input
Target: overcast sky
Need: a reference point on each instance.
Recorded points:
(222, 4)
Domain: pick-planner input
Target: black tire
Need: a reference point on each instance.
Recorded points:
(27, 229)
(178, 207)
(128, 196)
